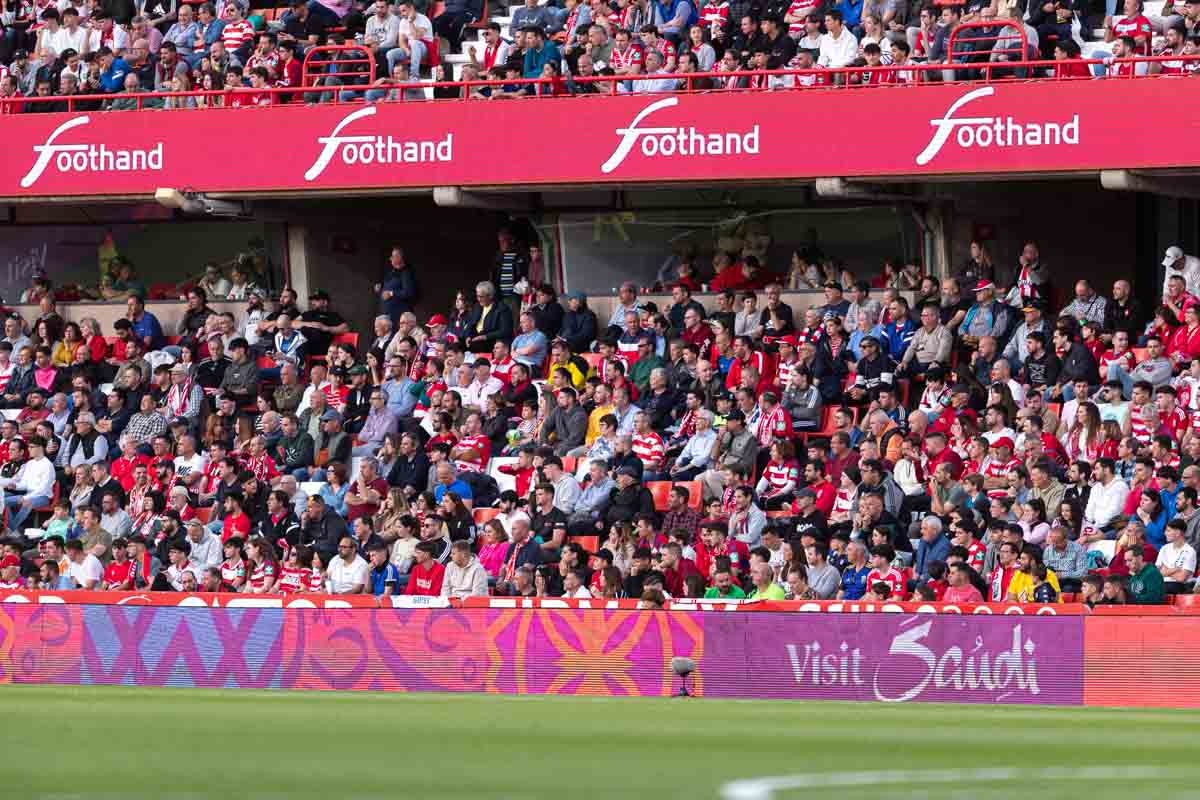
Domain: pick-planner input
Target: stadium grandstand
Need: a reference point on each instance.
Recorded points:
(748, 349)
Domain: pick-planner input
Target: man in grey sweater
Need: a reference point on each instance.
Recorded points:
(566, 426)
(465, 576)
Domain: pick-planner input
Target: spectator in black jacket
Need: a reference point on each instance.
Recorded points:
(321, 528)
(1078, 363)
(578, 323)
(547, 312)
(628, 499)
(488, 321)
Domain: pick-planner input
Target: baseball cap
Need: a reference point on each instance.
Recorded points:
(1173, 254)
(809, 493)
(436, 319)
(1003, 441)
(984, 284)
(790, 340)
(319, 294)
(629, 471)
(1033, 304)
(832, 285)
(358, 369)
(735, 416)
(331, 415)
(10, 561)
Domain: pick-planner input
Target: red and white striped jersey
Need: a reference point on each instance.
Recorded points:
(650, 449)
(1137, 422)
(234, 34)
(482, 445)
(772, 425)
(780, 475)
(263, 571)
(995, 468)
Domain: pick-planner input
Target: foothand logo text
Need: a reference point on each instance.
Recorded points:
(88, 157)
(986, 133)
(671, 141)
(376, 148)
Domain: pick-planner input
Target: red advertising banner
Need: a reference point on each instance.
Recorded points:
(1044, 126)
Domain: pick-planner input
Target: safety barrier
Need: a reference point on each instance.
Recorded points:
(959, 71)
(1009, 655)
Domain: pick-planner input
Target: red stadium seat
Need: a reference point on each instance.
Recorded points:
(484, 515)
(589, 543)
(347, 338)
(204, 514)
(569, 464)
(660, 491)
(695, 494)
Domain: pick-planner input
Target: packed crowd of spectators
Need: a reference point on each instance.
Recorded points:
(105, 53)
(983, 441)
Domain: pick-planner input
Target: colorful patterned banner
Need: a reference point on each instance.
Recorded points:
(899, 657)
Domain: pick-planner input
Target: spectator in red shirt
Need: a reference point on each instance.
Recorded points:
(425, 577)
(235, 523)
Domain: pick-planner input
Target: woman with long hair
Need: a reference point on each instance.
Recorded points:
(1110, 439)
(495, 545)
(395, 506)
(1070, 518)
(1082, 439)
(1153, 516)
(81, 492)
(620, 544)
(1033, 521)
(376, 366)
(460, 524)
(698, 45)
(1000, 394)
(63, 354)
(263, 566)
(963, 430)
(149, 518)
(612, 587)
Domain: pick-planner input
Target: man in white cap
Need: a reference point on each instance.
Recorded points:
(1176, 263)
(987, 317)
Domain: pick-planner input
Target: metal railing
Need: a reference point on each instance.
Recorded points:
(895, 77)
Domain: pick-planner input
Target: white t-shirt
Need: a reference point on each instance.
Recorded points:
(1181, 556)
(185, 467)
(252, 319)
(343, 577)
(90, 570)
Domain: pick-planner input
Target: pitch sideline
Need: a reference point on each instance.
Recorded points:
(765, 788)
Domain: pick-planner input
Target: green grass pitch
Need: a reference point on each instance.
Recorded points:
(119, 743)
